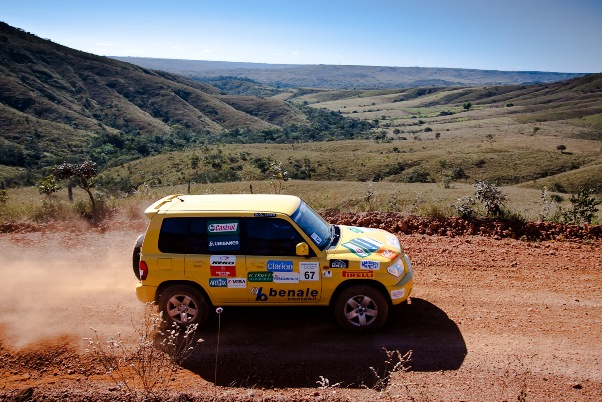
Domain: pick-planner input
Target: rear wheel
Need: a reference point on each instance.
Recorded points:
(361, 308)
(183, 305)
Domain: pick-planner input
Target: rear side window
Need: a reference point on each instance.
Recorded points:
(173, 235)
(199, 236)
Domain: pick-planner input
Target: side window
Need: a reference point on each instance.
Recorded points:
(172, 238)
(197, 236)
(269, 236)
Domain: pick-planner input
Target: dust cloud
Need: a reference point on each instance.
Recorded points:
(57, 284)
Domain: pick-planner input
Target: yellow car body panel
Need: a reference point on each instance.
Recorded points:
(219, 266)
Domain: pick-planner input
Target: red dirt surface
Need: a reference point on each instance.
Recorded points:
(491, 319)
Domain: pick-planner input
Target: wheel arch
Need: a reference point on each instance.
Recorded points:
(191, 284)
(359, 282)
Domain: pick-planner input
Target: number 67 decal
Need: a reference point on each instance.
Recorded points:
(309, 271)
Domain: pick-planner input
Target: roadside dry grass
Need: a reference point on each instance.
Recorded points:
(420, 199)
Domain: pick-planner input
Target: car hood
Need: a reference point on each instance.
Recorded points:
(360, 243)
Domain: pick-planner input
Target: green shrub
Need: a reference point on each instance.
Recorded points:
(491, 197)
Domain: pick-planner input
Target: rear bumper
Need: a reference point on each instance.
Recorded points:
(146, 294)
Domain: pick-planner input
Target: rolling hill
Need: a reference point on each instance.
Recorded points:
(345, 77)
(56, 100)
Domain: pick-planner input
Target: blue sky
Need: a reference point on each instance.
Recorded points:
(526, 35)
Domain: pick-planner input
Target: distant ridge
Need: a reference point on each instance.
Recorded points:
(346, 77)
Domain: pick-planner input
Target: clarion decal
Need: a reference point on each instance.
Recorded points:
(279, 266)
(358, 274)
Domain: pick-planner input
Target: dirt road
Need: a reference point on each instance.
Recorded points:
(489, 320)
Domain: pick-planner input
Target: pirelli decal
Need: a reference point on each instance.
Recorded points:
(358, 274)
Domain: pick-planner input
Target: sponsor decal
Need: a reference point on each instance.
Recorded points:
(237, 283)
(339, 263)
(222, 260)
(218, 282)
(222, 265)
(224, 243)
(371, 265)
(261, 277)
(264, 215)
(357, 250)
(286, 277)
(327, 274)
(316, 238)
(359, 230)
(309, 271)
(223, 271)
(398, 294)
(223, 227)
(388, 254)
(367, 243)
(280, 266)
(358, 274)
(289, 295)
(393, 242)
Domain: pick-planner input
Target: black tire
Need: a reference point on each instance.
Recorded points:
(136, 255)
(361, 309)
(183, 305)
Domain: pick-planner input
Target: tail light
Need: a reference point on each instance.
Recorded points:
(143, 268)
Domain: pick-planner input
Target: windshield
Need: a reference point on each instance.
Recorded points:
(313, 225)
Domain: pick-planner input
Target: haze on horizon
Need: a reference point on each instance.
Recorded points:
(537, 35)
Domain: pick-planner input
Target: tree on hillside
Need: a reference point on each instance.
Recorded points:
(467, 105)
(82, 175)
(561, 148)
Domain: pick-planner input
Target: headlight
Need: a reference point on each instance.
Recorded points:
(396, 269)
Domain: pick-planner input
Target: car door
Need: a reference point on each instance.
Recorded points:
(275, 273)
(214, 259)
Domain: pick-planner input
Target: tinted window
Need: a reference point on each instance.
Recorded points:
(172, 238)
(197, 236)
(268, 236)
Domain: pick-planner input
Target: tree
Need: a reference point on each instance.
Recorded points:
(82, 175)
(561, 148)
(48, 185)
(467, 105)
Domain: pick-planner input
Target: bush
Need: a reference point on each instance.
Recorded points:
(584, 207)
(465, 207)
(491, 197)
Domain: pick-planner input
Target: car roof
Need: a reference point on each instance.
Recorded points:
(264, 203)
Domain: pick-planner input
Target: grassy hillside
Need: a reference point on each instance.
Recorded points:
(55, 100)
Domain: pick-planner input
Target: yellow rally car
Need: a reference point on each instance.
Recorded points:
(270, 250)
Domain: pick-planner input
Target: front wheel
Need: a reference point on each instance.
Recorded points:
(183, 306)
(361, 309)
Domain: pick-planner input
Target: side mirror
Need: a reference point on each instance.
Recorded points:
(302, 249)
